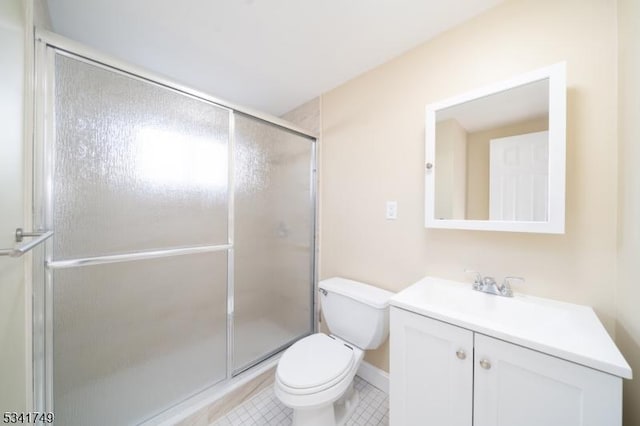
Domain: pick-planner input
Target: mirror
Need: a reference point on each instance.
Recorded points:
(495, 157)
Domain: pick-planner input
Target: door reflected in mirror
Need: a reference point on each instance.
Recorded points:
(492, 156)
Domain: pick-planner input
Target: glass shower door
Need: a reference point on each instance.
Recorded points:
(137, 270)
(273, 241)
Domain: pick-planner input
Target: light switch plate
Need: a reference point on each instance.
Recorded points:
(392, 210)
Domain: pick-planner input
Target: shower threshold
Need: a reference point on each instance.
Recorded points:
(213, 403)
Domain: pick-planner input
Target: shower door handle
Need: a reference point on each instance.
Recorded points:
(40, 237)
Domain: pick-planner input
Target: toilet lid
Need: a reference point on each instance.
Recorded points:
(314, 361)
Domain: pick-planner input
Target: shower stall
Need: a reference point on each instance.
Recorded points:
(184, 239)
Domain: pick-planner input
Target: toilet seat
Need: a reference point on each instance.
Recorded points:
(314, 364)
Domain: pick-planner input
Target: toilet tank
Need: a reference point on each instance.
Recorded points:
(355, 312)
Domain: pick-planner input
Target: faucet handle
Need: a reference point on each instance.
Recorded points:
(505, 289)
(477, 281)
(511, 280)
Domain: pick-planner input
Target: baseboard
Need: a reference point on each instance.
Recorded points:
(374, 375)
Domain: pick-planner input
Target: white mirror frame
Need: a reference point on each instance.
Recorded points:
(557, 154)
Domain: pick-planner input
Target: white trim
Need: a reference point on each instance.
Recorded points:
(374, 375)
(557, 154)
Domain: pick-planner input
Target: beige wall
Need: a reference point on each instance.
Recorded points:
(451, 170)
(373, 150)
(14, 345)
(628, 290)
(478, 149)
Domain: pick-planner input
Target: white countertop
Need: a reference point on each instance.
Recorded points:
(567, 331)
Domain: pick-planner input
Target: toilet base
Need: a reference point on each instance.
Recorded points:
(346, 405)
(334, 414)
(319, 416)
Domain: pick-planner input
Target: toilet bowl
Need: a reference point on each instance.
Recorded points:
(312, 391)
(315, 375)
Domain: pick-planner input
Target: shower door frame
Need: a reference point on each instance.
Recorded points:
(47, 45)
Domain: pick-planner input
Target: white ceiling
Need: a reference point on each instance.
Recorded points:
(271, 55)
(516, 105)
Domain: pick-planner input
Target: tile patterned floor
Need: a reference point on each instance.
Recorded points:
(265, 409)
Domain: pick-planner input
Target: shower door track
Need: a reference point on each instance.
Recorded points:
(46, 43)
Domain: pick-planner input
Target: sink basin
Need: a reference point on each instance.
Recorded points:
(566, 330)
(516, 312)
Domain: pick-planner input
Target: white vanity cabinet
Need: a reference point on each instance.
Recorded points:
(519, 386)
(464, 358)
(431, 380)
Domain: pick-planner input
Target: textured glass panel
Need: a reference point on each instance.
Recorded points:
(273, 239)
(137, 166)
(133, 338)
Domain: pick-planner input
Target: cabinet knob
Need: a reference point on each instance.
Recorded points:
(484, 363)
(461, 354)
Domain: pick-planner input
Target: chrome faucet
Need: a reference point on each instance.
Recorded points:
(489, 285)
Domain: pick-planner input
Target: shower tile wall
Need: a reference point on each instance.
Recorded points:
(306, 116)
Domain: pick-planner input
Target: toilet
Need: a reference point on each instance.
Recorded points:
(315, 375)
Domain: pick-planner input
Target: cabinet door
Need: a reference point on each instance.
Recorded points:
(518, 386)
(431, 371)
